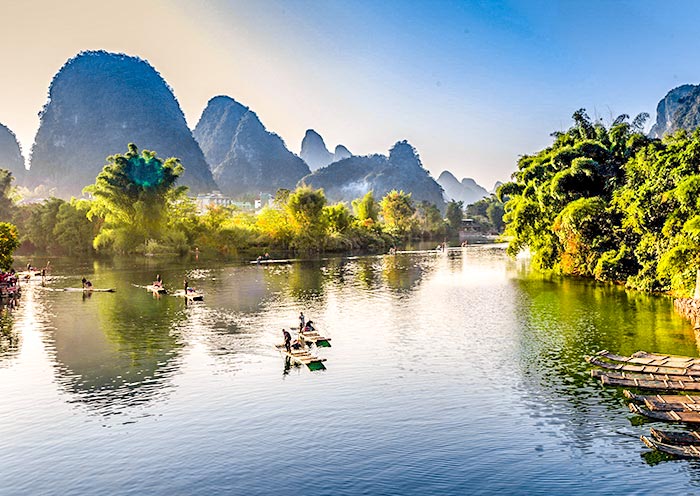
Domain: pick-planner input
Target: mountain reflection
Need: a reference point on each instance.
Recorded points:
(116, 350)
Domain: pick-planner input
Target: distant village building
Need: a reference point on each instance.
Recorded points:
(215, 199)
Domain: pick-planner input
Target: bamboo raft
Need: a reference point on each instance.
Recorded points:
(637, 368)
(302, 357)
(89, 290)
(648, 381)
(156, 289)
(690, 451)
(313, 337)
(666, 403)
(670, 416)
(655, 359)
(676, 437)
(190, 295)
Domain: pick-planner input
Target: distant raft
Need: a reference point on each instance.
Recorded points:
(683, 451)
(190, 295)
(90, 290)
(156, 289)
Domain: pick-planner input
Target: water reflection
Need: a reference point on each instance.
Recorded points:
(116, 350)
(10, 338)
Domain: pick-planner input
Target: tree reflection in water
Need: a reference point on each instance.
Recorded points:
(10, 338)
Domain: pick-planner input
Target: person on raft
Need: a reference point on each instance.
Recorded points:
(86, 284)
(287, 340)
(159, 281)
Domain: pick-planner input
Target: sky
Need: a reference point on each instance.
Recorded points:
(472, 85)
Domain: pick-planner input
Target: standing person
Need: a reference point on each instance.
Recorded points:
(301, 320)
(159, 281)
(287, 340)
(86, 284)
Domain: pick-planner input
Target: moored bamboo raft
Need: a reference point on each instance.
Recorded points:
(690, 451)
(646, 376)
(635, 368)
(653, 382)
(302, 356)
(645, 358)
(676, 437)
(672, 416)
(156, 289)
(666, 402)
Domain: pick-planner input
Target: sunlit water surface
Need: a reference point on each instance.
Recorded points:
(448, 374)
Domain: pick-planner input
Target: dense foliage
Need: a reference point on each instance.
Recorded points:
(610, 203)
(137, 207)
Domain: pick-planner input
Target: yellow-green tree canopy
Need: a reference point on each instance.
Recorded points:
(131, 195)
(9, 241)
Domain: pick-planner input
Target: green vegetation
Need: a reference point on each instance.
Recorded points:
(137, 207)
(610, 203)
(9, 241)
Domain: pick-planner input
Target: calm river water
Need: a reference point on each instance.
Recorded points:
(449, 374)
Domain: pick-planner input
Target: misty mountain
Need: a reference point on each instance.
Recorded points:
(315, 153)
(467, 191)
(353, 177)
(98, 103)
(11, 155)
(243, 155)
(679, 109)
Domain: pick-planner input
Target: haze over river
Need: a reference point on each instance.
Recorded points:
(458, 373)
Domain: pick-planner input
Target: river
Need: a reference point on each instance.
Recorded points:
(457, 373)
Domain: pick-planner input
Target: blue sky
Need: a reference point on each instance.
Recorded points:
(472, 85)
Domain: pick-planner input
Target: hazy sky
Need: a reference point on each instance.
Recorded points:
(470, 84)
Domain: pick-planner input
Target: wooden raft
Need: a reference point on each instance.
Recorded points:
(302, 357)
(676, 437)
(666, 402)
(645, 358)
(156, 289)
(648, 381)
(636, 368)
(672, 449)
(315, 338)
(672, 416)
(190, 295)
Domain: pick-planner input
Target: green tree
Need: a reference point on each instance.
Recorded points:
(7, 205)
(73, 231)
(366, 209)
(9, 241)
(454, 215)
(397, 211)
(305, 212)
(132, 195)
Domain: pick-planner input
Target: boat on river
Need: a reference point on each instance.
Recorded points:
(676, 437)
(668, 402)
(90, 290)
(302, 357)
(648, 381)
(689, 451)
(654, 359)
(670, 416)
(638, 368)
(313, 337)
(156, 289)
(189, 295)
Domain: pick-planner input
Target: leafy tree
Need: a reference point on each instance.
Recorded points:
(337, 218)
(132, 194)
(366, 209)
(9, 241)
(428, 221)
(397, 211)
(305, 212)
(454, 215)
(73, 231)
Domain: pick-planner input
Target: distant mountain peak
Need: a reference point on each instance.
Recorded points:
(11, 154)
(243, 155)
(679, 109)
(98, 103)
(467, 190)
